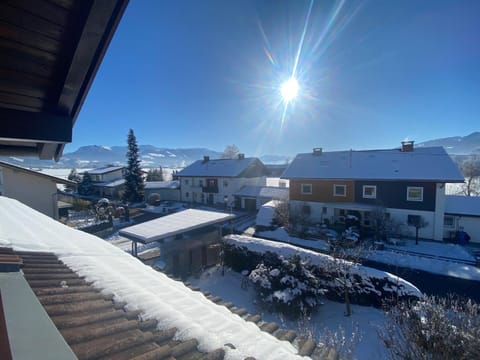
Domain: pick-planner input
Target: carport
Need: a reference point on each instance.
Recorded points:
(172, 225)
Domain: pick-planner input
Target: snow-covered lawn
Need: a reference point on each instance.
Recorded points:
(366, 320)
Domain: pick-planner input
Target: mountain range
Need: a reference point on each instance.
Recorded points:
(92, 156)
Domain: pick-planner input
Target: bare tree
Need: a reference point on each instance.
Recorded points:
(418, 222)
(281, 214)
(230, 152)
(471, 171)
(433, 328)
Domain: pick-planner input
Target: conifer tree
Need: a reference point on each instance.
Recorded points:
(86, 186)
(133, 174)
(75, 177)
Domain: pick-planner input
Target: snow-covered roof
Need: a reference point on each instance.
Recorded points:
(462, 205)
(104, 170)
(113, 183)
(423, 163)
(173, 184)
(55, 179)
(142, 288)
(173, 224)
(220, 167)
(270, 192)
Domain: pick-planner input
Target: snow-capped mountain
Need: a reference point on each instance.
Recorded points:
(95, 156)
(457, 145)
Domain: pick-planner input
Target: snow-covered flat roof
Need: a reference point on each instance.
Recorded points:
(462, 205)
(157, 296)
(423, 163)
(173, 224)
(270, 192)
(173, 184)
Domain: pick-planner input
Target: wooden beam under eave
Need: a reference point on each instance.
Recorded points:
(40, 127)
(100, 25)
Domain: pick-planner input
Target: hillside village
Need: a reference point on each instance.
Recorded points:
(223, 255)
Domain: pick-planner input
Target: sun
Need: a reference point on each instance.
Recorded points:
(289, 90)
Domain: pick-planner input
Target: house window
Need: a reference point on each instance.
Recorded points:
(187, 194)
(449, 221)
(324, 210)
(225, 183)
(306, 210)
(306, 189)
(200, 182)
(369, 191)
(414, 193)
(339, 190)
(186, 181)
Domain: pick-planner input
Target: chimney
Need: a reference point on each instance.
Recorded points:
(407, 146)
(206, 158)
(317, 151)
(241, 156)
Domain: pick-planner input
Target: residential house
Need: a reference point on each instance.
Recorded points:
(166, 190)
(215, 182)
(35, 189)
(108, 181)
(408, 183)
(251, 198)
(462, 213)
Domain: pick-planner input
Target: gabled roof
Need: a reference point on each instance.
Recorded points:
(104, 170)
(462, 205)
(54, 179)
(50, 53)
(246, 167)
(270, 192)
(422, 164)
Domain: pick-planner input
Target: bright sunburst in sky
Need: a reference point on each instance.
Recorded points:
(289, 90)
(205, 74)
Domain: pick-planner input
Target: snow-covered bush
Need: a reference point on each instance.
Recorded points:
(288, 286)
(433, 328)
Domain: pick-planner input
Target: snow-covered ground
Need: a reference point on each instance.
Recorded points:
(129, 280)
(364, 321)
(429, 263)
(282, 235)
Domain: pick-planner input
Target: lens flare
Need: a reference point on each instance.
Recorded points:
(289, 90)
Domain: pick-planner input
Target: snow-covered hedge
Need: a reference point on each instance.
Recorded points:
(288, 286)
(367, 286)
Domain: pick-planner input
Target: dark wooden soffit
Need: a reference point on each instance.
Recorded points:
(51, 51)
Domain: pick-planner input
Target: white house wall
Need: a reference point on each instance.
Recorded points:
(34, 191)
(233, 186)
(439, 211)
(429, 232)
(469, 224)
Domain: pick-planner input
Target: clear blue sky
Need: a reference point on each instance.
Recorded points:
(207, 73)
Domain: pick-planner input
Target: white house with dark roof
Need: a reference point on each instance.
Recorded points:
(407, 182)
(33, 188)
(215, 181)
(462, 213)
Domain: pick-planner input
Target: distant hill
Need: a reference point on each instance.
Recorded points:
(457, 145)
(95, 156)
(151, 156)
